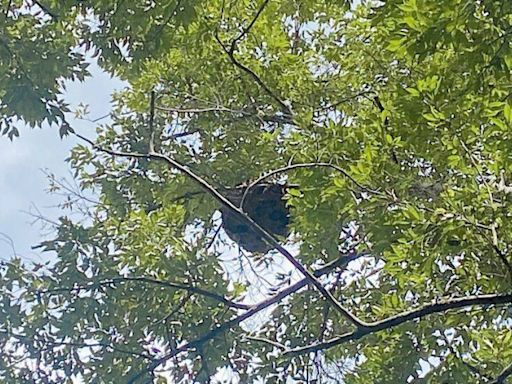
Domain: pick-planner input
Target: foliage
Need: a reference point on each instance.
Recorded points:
(393, 119)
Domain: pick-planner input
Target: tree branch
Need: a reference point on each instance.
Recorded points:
(285, 108)
(246, 30)
(507, 371)
(266, 341)
(231, 54)
(306, 165)
(197, 110)
(342, 101)
(46, 10)
(401, 318)
(169, 18)
(151, 122)
(340, 262)
(7, 9)
(503, 257)
(148, 280)
(179, 135)
(267, 118)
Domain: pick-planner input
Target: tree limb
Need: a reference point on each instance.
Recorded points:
(148, 280)
(306, 165)
(401, 318)
(246, 30)
(231, 54)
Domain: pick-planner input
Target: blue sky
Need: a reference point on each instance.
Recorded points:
(23, 184)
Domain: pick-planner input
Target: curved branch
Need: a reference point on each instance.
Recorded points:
(73, 344)
(231, 54)
(401, 318)
(285, 108)
(307, 165)
(246, 30)
(148, 280)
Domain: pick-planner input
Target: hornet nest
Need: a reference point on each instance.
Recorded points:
(264, 204)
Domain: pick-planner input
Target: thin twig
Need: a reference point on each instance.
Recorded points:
(246, 30)
(306, 165)
(46, 10)
(197, 110)
(179, 135)
(7, 9)
(266, 118)
(284, 107)
(266, 341)
(151, 122)
(99, 118)
(231, 54)
(169, 18)
(503, 258)
(342, 101)
(65, 185)
(475, 165)
(494, 240)
(184, 300)
(211, 241)
(473, 369)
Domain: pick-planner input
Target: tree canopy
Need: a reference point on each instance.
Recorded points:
(390, 124)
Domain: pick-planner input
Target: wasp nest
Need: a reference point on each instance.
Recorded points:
(265, 205)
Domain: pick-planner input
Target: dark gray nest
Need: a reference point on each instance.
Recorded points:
(265, 205)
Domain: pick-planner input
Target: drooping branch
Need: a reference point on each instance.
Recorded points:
(284, 107)
(147, 280)
(403, 317)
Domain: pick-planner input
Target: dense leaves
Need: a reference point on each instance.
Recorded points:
(391, 120)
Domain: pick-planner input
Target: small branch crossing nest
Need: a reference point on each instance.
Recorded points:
(265, 205)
